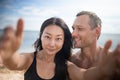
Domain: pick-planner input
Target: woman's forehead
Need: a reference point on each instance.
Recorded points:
(53, 29)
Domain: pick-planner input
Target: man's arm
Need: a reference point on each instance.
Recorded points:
(105, 68)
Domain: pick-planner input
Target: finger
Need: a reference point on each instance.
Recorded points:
(105, 51)
(107, 46)
(8, 33)
(19, 31)
(8, 29)
(7, 37)
(117, 50)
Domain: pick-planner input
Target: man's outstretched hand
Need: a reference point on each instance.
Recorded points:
(109, 64)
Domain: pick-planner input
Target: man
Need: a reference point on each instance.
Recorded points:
(86, 32)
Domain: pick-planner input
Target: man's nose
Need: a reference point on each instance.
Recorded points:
(74, 33)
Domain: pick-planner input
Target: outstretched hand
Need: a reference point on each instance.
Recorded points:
(105, 51)
(110, 61)
(11, 40)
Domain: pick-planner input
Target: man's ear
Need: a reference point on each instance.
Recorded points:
(98, 31)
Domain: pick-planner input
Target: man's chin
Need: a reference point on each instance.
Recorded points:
(76, 46)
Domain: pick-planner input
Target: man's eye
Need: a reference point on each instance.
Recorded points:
(73, 28)
(80, 29)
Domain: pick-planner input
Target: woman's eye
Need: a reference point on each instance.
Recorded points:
(47, 37)
(59, 39)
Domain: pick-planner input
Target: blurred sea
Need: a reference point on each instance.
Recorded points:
(31, 36)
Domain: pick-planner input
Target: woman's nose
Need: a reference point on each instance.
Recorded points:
(52, 43)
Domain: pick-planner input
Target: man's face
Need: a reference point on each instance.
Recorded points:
(82, 33)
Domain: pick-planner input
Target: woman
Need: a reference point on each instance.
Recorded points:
(53, 49)
(49, 61)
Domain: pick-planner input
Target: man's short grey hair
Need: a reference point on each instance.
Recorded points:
(95, 21)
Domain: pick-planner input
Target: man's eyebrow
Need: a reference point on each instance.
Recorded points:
(73, 27)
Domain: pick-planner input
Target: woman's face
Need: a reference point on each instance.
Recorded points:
(52, 39)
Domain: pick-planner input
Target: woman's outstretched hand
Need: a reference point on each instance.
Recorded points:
(11, 40)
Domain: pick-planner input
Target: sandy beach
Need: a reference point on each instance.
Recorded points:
(6, 74)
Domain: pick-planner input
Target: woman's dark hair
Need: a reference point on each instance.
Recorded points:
(63, 55)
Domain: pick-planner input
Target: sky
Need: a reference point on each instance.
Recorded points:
(35, 12)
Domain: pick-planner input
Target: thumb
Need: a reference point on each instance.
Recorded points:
(19, 31)
(105, 51)
(107, 46)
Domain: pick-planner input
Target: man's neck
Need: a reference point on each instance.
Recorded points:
(90, 52)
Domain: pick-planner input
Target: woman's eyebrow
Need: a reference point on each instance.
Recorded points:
(57, 35)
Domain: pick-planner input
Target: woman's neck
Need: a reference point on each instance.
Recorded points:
(46, 57)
